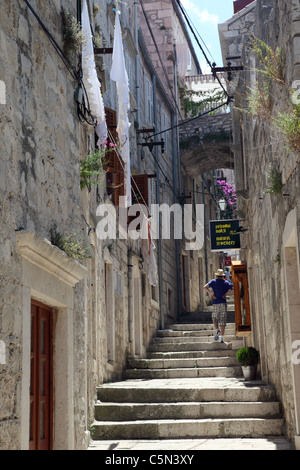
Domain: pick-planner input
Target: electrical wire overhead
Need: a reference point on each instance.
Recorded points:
(197, 40)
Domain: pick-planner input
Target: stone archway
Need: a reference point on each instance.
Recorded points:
(205, 144)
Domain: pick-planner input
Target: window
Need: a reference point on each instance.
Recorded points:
(139, 194)
(149, 101)
(129, 70)
(143, 190)
(165, 124)
(119, 283)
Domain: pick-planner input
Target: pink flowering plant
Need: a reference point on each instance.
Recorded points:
(94, 164)
(226, 190)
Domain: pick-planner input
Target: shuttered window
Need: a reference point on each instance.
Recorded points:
(165, 124)
(149, 101)
(114, 165)
(143, 191)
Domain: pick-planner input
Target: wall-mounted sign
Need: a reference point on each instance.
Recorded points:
(223, 236)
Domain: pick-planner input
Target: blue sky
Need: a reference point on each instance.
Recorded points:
(205, 15)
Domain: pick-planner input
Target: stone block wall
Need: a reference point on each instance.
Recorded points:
(268, 216)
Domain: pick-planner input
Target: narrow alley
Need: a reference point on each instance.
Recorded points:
(149, 181)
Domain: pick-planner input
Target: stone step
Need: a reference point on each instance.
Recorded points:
(151, 411)
(189, 346)
(191, 354)
(186, 390)
(190, 333)
(188, 428)
(196, 327)
(233, 371)
(223, 361)
(188, 387)
(192, 445)
(190, 339)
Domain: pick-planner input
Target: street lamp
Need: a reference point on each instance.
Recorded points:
(222, 204)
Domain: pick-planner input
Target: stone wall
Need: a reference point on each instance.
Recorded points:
(96, 327)
(272, 219)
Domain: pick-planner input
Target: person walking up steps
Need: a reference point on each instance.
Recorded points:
(220, 288)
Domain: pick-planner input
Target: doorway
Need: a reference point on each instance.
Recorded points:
(41, 378)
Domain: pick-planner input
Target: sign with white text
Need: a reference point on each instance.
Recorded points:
(223, 236)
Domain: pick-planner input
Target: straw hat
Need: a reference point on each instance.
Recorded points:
(220, 273)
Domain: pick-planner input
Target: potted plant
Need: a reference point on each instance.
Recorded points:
(248, 358)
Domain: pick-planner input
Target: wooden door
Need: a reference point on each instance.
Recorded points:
(41, 400)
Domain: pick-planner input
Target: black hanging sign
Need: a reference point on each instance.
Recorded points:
(224, 236)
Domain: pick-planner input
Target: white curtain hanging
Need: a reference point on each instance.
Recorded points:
(90, 78)
(119, 75)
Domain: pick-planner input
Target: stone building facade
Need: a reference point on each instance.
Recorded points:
(67, 325)
(267, 178)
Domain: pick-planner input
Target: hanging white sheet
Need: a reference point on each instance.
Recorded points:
(119, 75)
(90, 78)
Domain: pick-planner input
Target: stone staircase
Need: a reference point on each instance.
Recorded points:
(189, 387)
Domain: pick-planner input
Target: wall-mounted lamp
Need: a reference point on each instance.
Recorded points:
(222, 204)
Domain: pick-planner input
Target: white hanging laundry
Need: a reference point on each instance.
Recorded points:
(119, 75)
(90, 78)
(148, 247)
(183, 59)
(152, 266)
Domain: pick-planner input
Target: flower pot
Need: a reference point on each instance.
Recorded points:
(249, 372)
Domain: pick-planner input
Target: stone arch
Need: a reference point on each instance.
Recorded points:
(205, 144)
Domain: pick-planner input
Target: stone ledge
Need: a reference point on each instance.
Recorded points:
(40, 252)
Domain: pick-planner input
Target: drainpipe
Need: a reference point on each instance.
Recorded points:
(176, 123)
(137, 72)
(177, 245)
(159, 249)
(177, 173)
(130, 302)
(205, 233)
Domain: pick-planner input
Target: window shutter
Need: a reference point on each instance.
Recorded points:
(139, 189)
(139, 194)
(118, 189)
(114, 166)
(111, 122)
(165, 124)
(149, 101)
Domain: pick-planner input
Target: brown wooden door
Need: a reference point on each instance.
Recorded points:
(41, 378)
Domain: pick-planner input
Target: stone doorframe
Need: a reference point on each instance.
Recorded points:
(49, 276)
(292, 279)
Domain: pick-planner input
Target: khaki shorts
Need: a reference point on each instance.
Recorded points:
(219, 314)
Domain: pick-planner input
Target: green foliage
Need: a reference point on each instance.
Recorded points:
(68, 244)
(259, 101)
(248, 356)
(91, 166)
(272, 62)
(195, 102)
(288, 122)
(72, 33)
(274, 179)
